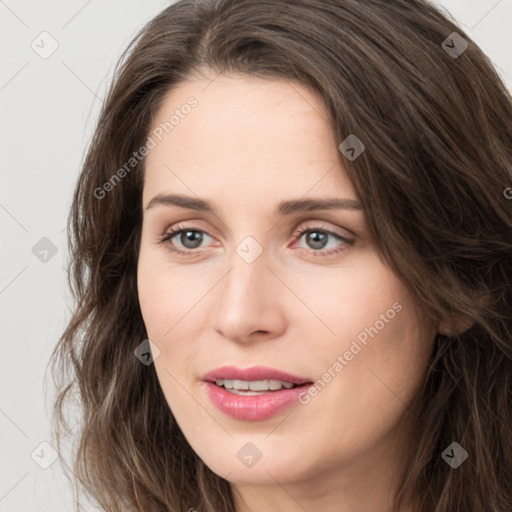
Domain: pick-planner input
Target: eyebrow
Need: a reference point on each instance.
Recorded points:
(284, 208)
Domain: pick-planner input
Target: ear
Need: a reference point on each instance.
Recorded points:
(455, 325)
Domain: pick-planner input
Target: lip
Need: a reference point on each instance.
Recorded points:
(256, 407)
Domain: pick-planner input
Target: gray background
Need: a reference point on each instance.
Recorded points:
(49, 107)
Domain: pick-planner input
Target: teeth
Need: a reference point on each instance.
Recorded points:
(253, 385)
(274, 384)
(257, 385)
(241, 384)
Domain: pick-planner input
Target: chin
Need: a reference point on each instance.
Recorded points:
(284, 468)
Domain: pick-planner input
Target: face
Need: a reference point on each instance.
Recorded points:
(263, 288)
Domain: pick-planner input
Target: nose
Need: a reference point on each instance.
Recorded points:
(250, 302)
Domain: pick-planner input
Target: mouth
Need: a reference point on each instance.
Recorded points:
(255, 393)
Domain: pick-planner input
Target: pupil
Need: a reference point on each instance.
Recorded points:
(316, 239)
(194, 237)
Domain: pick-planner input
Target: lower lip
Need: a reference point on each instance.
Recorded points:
(255, 407)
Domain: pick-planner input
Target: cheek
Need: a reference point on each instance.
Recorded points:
(356, 301)
(172, 314)
(153, 300)
(164, 309)
(163, 294)
(384, 364)
(382, 336)
(380, 350)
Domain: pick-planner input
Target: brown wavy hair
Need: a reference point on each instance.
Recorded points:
(432, 181)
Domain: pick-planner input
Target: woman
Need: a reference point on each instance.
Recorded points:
(291, 255)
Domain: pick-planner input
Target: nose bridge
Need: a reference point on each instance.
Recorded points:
(245, 302)
(248, 264)
(244, 281)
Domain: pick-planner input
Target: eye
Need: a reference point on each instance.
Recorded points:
(318, 239)
(190, 239)
(186, 241)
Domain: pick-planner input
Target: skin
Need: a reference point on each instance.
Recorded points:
(249, 144)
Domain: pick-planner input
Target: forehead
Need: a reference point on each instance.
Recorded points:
(243, 134)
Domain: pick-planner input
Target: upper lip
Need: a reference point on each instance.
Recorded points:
(252, 374)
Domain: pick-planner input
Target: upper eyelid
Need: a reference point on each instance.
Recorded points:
(297, 232)
(353, 217)
(316, 225)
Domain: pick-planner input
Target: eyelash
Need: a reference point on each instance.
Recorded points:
(175, 231)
